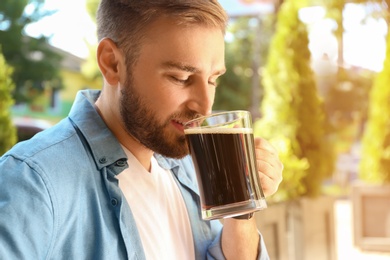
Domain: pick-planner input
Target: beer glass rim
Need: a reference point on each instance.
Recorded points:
(189, 123)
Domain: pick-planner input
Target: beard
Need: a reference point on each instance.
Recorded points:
(141, 122)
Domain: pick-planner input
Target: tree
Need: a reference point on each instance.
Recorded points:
(7, 130)
(293, 114)
(92, 6)
(375, 162)
(346, 99)
(36, 65)
(246, 52)
(235, 86)
(90, 68)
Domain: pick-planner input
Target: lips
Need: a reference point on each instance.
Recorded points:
(178, 125)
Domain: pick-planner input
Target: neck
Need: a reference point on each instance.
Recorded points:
(114, 123)
(143, 154)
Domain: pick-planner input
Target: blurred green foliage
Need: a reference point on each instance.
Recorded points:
(36, 65)
(234, 87)
(293, 113)
(92, 6)
(246, 53)
(7, 129)
(346, 105)
(90, 67)
(363, 94)
(375, 162)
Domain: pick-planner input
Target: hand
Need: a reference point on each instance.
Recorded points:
(269, 166)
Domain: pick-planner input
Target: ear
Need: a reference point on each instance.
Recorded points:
(108, 58)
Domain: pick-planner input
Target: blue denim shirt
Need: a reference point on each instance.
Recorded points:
(59, 198)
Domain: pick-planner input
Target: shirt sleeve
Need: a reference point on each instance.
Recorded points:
(215, 249)
(26, 214)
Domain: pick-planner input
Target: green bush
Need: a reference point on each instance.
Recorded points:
(7, 130)
(375, 162)
(293, 117)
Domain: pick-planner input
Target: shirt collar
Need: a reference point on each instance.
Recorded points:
(104, 146)
(182, 169)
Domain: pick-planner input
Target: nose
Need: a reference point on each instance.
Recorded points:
(201, 98)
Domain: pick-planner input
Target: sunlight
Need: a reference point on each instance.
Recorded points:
(70, 28)
(364, 40)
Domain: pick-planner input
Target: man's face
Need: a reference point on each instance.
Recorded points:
(173, 81)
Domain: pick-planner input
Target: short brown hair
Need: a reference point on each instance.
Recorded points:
(123, 20)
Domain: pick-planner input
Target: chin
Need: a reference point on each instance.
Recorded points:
(177, 151)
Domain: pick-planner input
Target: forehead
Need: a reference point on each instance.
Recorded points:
(195, 44)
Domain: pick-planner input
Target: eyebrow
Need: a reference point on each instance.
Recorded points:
(187, 68)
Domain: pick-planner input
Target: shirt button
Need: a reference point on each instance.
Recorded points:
(120, 163)
(114, 202)
(103, 160)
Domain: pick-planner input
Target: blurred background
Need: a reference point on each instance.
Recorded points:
(315, 75)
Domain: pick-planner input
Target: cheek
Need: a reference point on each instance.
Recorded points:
(170, 100)
(164, 100)
(212, 94)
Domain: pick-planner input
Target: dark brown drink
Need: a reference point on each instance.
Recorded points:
(225, 165)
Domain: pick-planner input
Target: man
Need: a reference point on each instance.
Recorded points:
(113, 180)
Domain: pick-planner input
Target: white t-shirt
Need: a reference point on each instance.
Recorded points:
(159, 210)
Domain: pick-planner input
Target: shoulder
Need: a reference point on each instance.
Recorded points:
(42, 141)
(43, 154)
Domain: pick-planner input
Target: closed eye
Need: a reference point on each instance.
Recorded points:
(181, 81)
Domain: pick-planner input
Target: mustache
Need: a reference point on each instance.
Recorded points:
(185, 116)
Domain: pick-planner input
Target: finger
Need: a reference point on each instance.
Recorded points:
(270, 158)
(268, 185)
(263, 144)
(266, 155)
(270, 176)
(271, 170)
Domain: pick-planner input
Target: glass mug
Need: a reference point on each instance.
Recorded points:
(222, 148)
